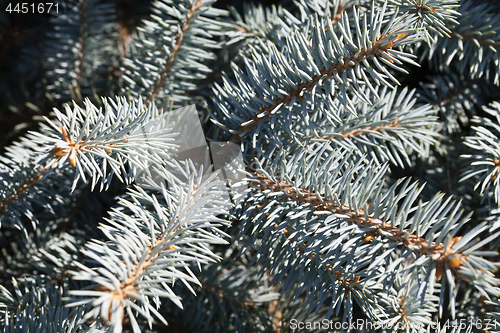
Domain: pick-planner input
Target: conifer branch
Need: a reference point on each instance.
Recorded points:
(386, 216)
(390, 129)
(487, 43)
(258, 24)
(455, 97)
(124, 37)
(446, 99)
(39, 306)
(380, 128)
(18, 191)
(293, 84)
(379, 49)
(167, 57)
(81, 50)
(496, 170)
(474, 40)
(178, 43)
(406, 309)
(127, 290)
(434, 15)
(386, 128)
(100, 143)
(146, 257)
(485, 162)
(347, 283)
(231, 295)
(418, 244)
(331, 227)
(442, 257)
(26, 182)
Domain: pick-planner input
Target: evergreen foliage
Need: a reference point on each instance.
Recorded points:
(295, 166)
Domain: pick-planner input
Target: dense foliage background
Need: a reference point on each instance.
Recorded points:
(298, 244)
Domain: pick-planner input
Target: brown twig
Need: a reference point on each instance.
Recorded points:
(494, 175)
(21, 189)
(361, 131)
(73, 147)
(81, 42)
(123, 37)
(179, 40)
(424, 8)
(128, 286)
(483, 41)
(338, 16)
